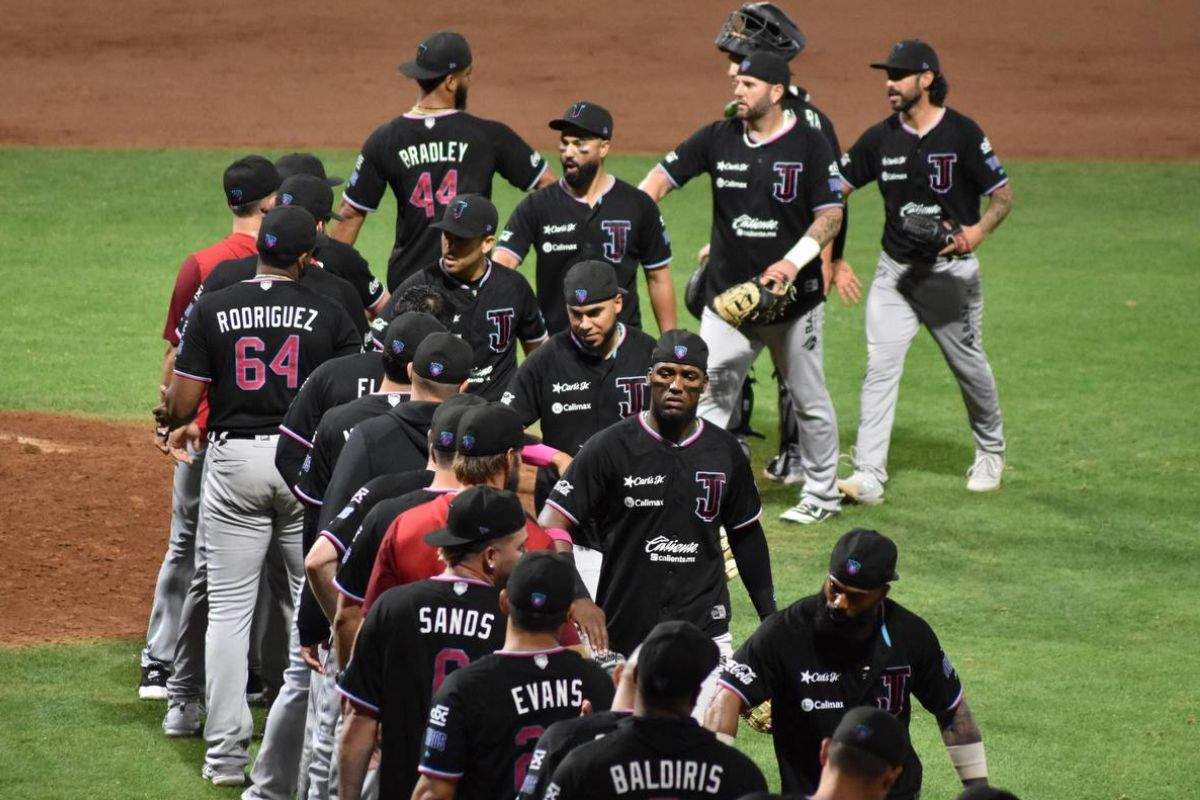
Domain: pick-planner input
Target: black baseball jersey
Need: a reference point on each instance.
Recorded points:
(648, 758)
(323, 282)
(342, 529)
(396, 441)
(812, 681)
(337, 381)
(624, 228)
(559, 740)
(798, 101)
(765, 196)
(254, 343)
(490, 315)
(487, 718)
(428, 161)
(575, 394)
(940, 174)
(332, 432)
(659, 508)
(412, 639)
(354, 574)
(343, 260)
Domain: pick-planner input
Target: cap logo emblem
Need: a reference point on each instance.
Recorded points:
(270, 239)
(452, 66)
(852, 566)
(436, 368)
(286, 198)
(485, 530)
(445, 439)
(236, 194)
(397, 347)
(459, 208)
(580, 295)
(745, 65)
(862, 733)
(468, 442)
(577, 110)
(680, 351)
(538, 599)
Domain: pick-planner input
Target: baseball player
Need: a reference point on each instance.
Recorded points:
(251, 346)
(418, 634)
(486, 718)
(931, 163)
(493, 308)
(848, 645)
(591, 215)
(661, 751)
(776, 204)
(763, 26)
(431, 154)
(864, 757)
(660, 485)
(249, 185)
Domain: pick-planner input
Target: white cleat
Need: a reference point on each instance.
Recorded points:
(862, 488)
(985, 474)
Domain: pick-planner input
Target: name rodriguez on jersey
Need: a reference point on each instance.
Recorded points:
(244, 317)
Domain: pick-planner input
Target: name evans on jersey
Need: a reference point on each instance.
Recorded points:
(558, 693)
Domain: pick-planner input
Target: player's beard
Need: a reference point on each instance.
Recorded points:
(599, 350)
(837, 624)
(512, 481)
(581, 179)
(755, 113)
(460, 98)
(906, 102)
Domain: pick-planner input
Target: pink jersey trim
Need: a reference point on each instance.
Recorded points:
(693, 437)
(658, 265)
(663, 170)
(788, 124)
(512, 253)
(730, 687)
(359, 206)
(527, 653)
(562, 511)
(296, 490)
(293, 435)
(917, 133)
(450, 577)
(997, 186)
(358, 701)
(753, 519)
(433, 773)
(562, 184)
(333, 540)
(538, 177)
(347, 594)
(191, 377)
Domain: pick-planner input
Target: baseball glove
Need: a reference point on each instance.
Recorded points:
(759, 300)
(693, 294)
(759, 717)
(935, 234)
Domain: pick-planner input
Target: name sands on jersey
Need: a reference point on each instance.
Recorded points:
(432, 153)
(468, 622)
(248, 317)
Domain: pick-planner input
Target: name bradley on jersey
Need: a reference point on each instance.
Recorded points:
(430, 152)
(243, 317)
(558, 693)
(456, 621)
(667, 775)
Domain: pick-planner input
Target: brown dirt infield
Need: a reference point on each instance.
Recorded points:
(88, 503)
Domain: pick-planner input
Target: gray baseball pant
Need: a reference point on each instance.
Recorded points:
(948, 300)
(179, 562)
(797, 348)
(324, 728)
(248, 510)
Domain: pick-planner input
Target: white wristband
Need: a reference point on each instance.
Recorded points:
(969, 760)
(803, 251)
(726, 738)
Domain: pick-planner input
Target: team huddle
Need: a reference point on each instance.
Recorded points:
(348, 545)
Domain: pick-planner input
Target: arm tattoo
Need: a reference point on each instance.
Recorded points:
(999, 204)
(958, 726)
(826, 226)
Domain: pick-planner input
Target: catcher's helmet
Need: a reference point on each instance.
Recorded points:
(760, 26)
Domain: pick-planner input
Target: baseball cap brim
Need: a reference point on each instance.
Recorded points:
(412, 69)
(456, 229)
(334, 181)
(564, 125)
(444, 537)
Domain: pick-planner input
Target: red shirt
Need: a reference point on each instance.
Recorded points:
(405, 558)
(195, 268)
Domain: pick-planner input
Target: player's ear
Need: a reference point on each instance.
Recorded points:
(462, 387)
(777, 92)
(889, 778)
(489, 244)
(619, 303)
(825, 751)
(603, 148)
(504, 602)
(409, 371)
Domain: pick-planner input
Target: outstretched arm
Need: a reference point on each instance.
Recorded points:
(656, 184)
(820, 233)
(352, 220)
(964, 744)
(662, 297)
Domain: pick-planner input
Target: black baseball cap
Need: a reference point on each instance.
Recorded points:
(542, 583)
(766, 66)
(681, 347)
(469, 216)
(911, 55)
(874, 731)
(479, 514)
(590, 282)
(438, 55)
(489, 431)
(287, 232)
(443, 429)
(675, 659)
(303, 164)
(248, 179)
(309, 192)
(587, 117)
(443, 358)
(406, 332)
(864, 559)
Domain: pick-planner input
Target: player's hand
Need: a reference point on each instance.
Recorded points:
(590, 619)
(178, 442)
(782, 271)
(703, 254)
(561, 461)
(585, 708)
(848, 287)
(975, 237)
(162, 435)
(311, 653)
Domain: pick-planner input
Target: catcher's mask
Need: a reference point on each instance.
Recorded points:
(760, 26)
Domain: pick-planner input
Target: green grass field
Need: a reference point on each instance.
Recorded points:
(1067, 601)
